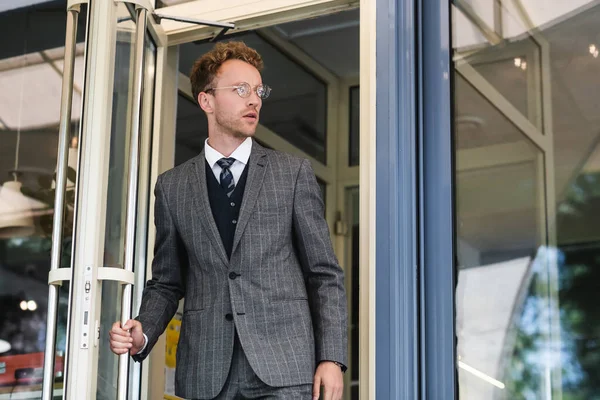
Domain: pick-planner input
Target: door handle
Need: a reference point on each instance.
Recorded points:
(132, 187)
(59, 200)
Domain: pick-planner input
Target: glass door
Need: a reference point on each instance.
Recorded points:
(37, 117)
(103, 195)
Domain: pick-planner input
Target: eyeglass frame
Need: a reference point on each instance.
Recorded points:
(238, 87)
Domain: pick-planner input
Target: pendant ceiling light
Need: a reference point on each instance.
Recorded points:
(16, 209)
(4, 346)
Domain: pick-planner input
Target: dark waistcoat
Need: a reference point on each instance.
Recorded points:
(225, 210)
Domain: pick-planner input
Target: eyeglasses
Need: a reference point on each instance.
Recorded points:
(244, 90)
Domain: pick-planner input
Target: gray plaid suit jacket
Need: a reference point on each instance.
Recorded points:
(287, 295)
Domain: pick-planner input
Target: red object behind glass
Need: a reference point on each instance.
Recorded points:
(23, 369)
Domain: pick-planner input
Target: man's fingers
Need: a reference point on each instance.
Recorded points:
(118, 330)
(339, 393)
(316, 387)
(132, 324)
(118, 345)
(120, 335)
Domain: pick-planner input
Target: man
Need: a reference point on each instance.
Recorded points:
(240, 233)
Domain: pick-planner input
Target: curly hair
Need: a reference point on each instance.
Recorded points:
(206, 67)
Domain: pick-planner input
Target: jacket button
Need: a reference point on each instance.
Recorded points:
(229, 317)
(233, 275)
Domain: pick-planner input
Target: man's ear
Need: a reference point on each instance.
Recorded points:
(205, 102)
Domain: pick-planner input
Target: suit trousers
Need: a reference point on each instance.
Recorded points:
(242, 383)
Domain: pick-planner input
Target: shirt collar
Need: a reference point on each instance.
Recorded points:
(241, 154)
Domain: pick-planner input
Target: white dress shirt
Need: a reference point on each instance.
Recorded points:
(241, 155)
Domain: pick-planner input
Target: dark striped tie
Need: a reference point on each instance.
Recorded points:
(226, 176)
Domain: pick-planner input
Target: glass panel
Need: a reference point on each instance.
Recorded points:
(478, 124)
(116, 202)
(31, 66)
(354, 152)
(331, 40)
(514, 73)
(117, 193)
(296, 110)
(191, 129)
(497, 185)
(509, 76)
(528, 235)
(352, 278)
(146, 190)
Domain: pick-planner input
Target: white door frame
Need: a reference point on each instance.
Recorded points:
(251, 15)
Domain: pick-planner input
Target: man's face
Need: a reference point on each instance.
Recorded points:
(231, 113)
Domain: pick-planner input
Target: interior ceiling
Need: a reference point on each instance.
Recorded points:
(332, 40)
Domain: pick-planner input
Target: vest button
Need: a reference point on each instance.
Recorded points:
(234, 221)
(232, 204)
(229, 317)
(233, 275)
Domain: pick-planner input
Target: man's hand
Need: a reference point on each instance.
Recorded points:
(128, 338)
(330, 377)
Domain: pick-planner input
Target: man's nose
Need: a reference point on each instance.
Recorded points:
(253, 100)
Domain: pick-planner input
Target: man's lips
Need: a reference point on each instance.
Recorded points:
(251, 115)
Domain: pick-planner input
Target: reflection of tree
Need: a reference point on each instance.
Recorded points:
(580, 320)
(525, 373)
(578, 228)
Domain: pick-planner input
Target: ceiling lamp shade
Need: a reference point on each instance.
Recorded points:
(4, 346)
(16, 211)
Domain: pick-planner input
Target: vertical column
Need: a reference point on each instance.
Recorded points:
(396, 202)
(438, 346)
(59, 200)
(132, 187)
(91, 203)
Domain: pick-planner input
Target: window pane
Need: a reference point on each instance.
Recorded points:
(354, 126)
(191, 129)
(527, 223)
(31, 65)
(116, 208)
(296, 110)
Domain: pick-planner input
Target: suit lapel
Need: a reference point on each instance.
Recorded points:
(200, 191)
(256, 173)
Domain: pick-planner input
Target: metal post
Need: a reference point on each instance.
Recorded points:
(436, 197)
(59, 198)
(132, 187)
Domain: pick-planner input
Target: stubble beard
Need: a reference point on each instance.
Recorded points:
(233, 129)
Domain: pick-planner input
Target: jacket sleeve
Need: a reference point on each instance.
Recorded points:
(324, 277)
(161, 296)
